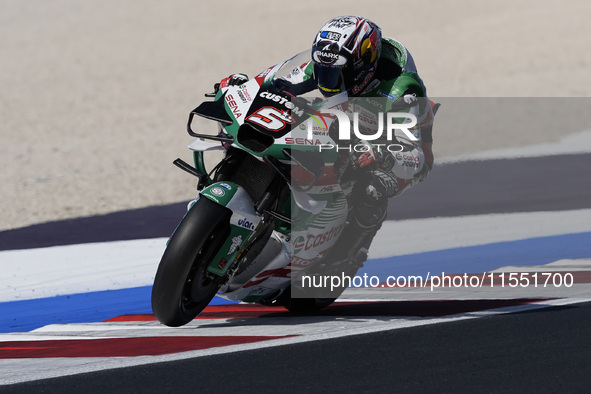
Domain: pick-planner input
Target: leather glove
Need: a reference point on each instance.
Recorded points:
(234, 79)
(364, 154)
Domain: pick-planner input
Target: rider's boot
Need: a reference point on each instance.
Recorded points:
(370, 206)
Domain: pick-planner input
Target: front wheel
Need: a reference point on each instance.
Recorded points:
(182, 286)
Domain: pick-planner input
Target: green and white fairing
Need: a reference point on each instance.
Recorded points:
(238, 102)
(318, 210)
(243, 221)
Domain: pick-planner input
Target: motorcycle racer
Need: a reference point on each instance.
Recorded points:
(350, 56)
(275, 214)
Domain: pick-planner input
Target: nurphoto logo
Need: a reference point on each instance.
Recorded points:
(345, 130)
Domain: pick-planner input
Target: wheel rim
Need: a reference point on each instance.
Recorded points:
(200, 288)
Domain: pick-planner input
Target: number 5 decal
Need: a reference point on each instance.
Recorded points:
(270, 118)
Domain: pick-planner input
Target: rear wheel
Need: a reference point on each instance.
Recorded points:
(182, 286)
(306, 305)
(312, 305)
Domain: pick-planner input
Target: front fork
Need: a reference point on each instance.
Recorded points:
(243, 223)
(249, 219)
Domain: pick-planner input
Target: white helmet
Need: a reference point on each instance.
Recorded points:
(345, 55)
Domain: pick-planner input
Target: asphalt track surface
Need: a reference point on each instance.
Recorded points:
(545, 183)
(541, 350)
(536, 351)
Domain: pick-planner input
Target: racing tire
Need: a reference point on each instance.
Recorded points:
(313, 305)
(306, 305)
(182, 286)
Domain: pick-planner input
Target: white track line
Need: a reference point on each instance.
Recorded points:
(315, 329)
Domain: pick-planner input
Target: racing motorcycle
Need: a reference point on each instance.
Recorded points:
(268, 214)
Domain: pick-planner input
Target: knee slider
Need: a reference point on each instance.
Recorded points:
(370, 201)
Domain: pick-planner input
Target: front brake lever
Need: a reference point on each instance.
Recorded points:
(216, 88)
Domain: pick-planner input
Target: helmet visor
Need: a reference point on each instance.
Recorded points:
(330, 79)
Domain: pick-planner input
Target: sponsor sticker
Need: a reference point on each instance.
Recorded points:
(217, 191)
(222, 263)
(246, 224)
(387, 95)
(299, 244)
(236, 242)
(233, 105)
(330, 35)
